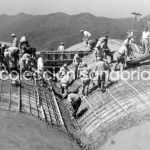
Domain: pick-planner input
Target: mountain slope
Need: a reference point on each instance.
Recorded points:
(47, 31)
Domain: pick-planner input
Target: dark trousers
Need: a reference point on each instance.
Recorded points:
(76, 106)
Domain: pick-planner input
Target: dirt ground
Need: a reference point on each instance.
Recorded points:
(136, 138)
(22, 132)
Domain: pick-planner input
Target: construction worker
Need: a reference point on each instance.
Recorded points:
(86, 36)
(76, 61)
(63, 70)
(74, 102)
(3, 60)
(98, 51)
(145, 40)
(64, 83)
(61, 48)
(101, 67)
(24, 45)
(12, 57)
(15, 41)
(128, 44)
(40, 63)
(106, 50)
(121, 57)
(85, 77)
(24, 63)
(92, 44)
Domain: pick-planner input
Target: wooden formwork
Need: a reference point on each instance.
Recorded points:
(53, 60)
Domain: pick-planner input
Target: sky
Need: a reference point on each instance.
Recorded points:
(106, 8)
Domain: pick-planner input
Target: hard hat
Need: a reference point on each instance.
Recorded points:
(13, 35)
(61, 43)
(81, 30)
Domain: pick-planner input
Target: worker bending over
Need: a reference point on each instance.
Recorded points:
(128, 44)
(121, 58)
(74, 102)
(86, 36)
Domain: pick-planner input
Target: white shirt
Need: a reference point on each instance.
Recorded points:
(146, 35)
(15, 42)
(61, 48)
(126, 42)
(40, 64)
(86, 34)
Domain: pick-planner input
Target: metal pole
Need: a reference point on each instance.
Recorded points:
(136, 15)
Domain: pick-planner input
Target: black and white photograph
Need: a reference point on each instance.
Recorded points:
(74, 75)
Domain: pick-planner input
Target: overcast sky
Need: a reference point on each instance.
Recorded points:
(107, 8)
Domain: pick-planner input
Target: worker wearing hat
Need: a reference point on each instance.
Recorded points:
(106, 50)
(145, 40)
(61, 48)
(86, 36)
(128, 44)
(15, 42)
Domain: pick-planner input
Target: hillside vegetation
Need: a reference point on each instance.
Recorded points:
(47, 31)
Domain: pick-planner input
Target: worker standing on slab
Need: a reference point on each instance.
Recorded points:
(145, 41)
(76, 61)
(15, 41)
(63, 70)
(106, 50)
(128, 44)
(98, 51)
(64, 83)
(85, 77)
(86, 36)
(61, 48)
(40, 64)
(121, 58)
(101, 67)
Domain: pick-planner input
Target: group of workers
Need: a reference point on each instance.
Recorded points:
(20, 56)
(102, 65)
